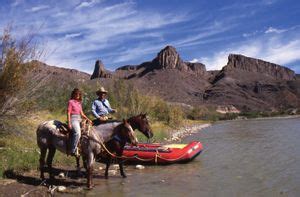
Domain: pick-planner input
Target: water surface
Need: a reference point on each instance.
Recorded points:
(240, 158)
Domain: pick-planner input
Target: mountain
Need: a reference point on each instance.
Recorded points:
(253, 84)
(244, 84)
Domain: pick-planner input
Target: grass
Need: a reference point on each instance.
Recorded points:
(18, 149)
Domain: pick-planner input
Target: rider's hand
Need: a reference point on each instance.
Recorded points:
(102, 118)
(114, 111)
(70, 126)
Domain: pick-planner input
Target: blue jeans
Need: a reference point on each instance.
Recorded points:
(75, 122)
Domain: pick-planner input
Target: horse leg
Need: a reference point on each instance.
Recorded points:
(78, 165)
(90, 162)
(119, 153)
(108, 162)
(120, 161)
(42, 162)
(49, 161)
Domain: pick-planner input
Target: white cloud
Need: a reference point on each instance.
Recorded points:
(104, 29)
(275, 30)
(211, 30)
(86, 4)
(37, 8)
(195, 60)
(269, 2)
(74, 35)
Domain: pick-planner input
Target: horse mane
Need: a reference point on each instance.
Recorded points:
(117, 129)
(133, 121)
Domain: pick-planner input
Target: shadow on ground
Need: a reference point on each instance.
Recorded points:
(71, 178)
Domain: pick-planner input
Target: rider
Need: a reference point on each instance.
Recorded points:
(101, 107)
(74, 118)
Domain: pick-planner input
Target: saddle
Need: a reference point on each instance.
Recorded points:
(64, 129)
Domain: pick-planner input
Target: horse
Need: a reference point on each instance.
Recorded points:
(115, 148)
(50, 137)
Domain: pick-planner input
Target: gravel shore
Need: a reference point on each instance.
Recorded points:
(177, 135)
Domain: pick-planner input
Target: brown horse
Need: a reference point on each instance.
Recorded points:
(94, 148)
(50, 138)
(114, 149)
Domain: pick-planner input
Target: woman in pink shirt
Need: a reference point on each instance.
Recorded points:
(74, 118)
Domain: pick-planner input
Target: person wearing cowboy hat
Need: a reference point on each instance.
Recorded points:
(101, 107)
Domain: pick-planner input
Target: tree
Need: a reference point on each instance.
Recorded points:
(14, 62)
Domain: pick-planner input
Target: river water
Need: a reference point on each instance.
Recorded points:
(240, 158)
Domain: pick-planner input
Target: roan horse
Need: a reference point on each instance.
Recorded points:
(50, 138)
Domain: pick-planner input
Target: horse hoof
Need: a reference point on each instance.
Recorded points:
(124, 176)
(89, 187)
(106, 177)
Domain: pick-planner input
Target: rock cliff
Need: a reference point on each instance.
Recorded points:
(241, 62)
(99, 71)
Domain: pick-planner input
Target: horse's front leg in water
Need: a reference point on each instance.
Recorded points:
(108, 161)
(120, 161)
(90, 163)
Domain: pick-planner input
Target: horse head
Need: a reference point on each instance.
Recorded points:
(127, 134)
(141, 123)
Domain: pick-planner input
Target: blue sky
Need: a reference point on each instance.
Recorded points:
(75, 33)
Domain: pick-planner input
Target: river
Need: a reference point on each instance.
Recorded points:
(240, 158)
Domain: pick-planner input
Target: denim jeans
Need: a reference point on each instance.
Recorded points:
(75, 122)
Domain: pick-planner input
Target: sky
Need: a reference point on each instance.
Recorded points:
(75, 33)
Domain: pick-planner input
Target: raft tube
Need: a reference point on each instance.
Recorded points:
(156, 153)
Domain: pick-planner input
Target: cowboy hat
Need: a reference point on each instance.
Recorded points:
(101, 90)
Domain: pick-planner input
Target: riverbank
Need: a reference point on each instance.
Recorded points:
(179, 134)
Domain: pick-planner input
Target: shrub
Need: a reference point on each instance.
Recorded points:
(13, 67)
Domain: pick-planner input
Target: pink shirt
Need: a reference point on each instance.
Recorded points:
(74, 107)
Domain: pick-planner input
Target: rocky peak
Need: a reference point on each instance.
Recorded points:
(259, 66)
(168, 58)
(99, 71)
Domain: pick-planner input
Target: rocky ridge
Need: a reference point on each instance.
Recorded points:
(244, 84)
(249, 64)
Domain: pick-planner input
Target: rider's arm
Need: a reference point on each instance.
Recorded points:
(94, 107)
(109, 109)
(85, 117)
